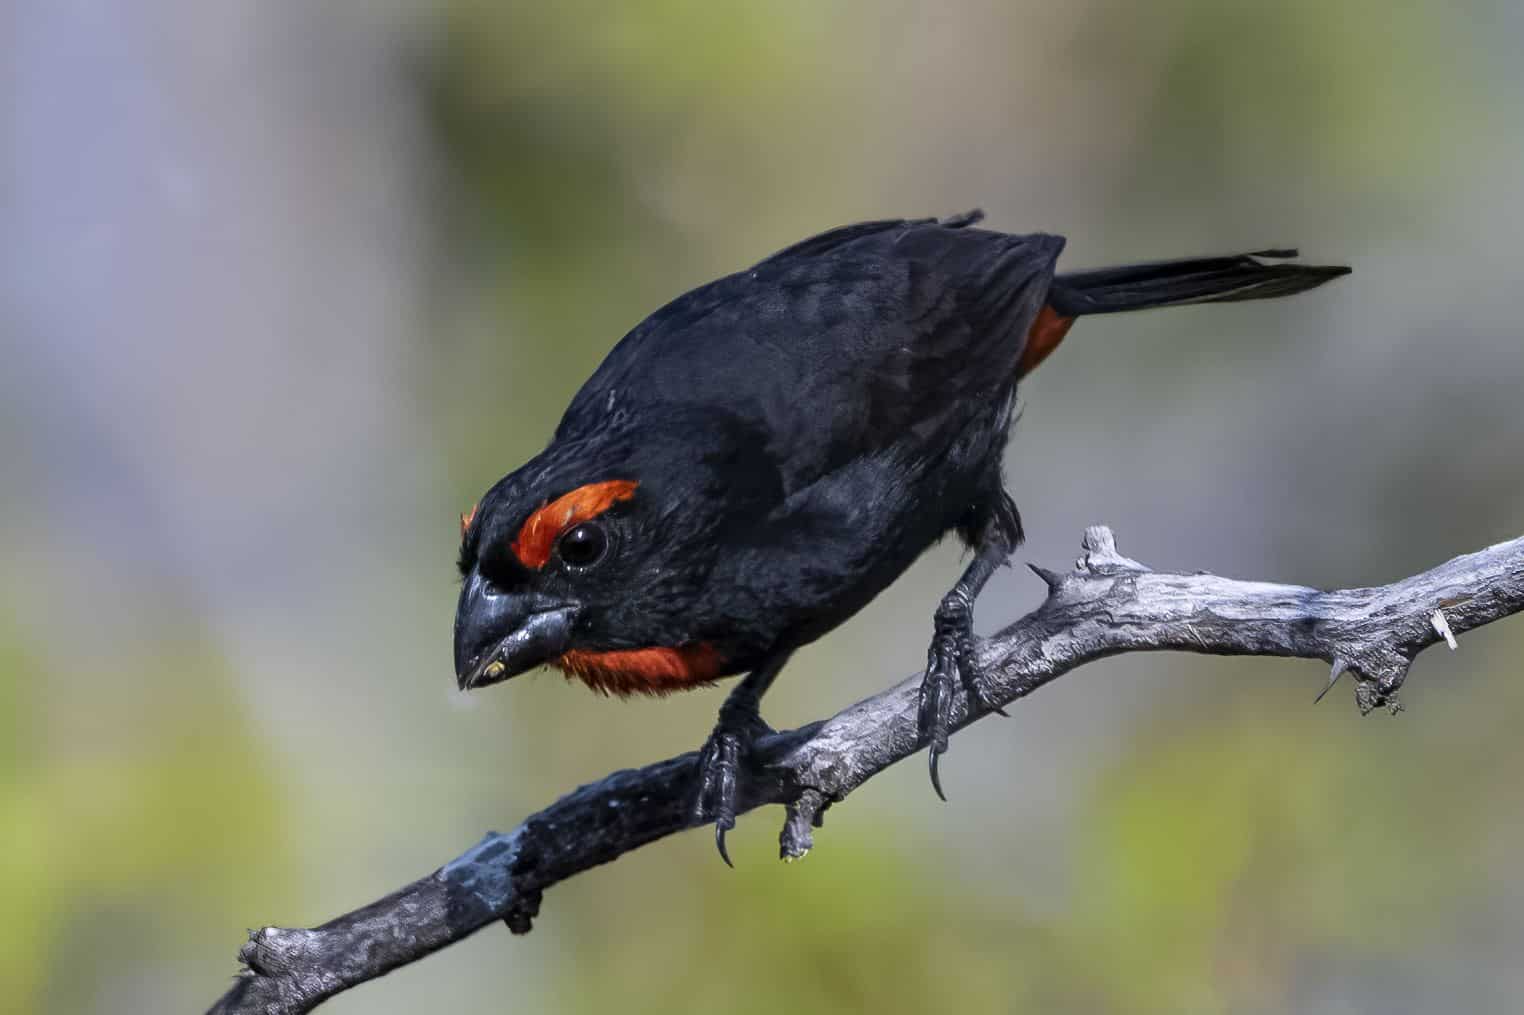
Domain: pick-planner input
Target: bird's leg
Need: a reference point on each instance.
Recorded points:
(740, 725)
(952, 652)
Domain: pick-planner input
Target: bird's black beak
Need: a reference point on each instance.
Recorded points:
(501, 634)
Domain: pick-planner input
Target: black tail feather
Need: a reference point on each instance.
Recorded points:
(1178, 283)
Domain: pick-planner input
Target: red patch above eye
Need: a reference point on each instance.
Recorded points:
(537, 536)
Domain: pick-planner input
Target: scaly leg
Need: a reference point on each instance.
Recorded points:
(952, 646)
(740, 726)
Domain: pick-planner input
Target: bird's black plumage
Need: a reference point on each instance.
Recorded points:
(759, 458)
(886, 331)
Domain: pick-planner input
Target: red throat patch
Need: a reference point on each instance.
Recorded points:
(654, 671)
(537, 536)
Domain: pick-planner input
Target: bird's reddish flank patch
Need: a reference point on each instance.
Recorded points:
(643, 670)
(537, 536)
(1047, 331)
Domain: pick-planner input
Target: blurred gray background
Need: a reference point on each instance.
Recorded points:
(284, 287)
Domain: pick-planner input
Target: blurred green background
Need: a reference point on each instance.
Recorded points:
(284, 287)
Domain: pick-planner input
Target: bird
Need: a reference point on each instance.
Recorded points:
(757, 460)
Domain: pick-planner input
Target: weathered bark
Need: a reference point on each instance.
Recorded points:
(1106, 605)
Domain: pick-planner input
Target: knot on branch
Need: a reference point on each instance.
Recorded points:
(526, 906)
(1380, 675)
(1373, 688)
(271, 951)
(1101, 556)
(805, 813)
(1369, 696)
(1101, 559)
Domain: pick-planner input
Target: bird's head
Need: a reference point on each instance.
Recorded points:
(592, 558)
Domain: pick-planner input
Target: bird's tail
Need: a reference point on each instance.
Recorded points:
(1178, 283)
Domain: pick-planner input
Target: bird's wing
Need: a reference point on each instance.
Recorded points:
(869, 336)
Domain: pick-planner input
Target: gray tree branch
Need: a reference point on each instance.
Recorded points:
(1105, 605)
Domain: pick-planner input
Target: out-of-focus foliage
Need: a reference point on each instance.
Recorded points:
(284, 287)
(1348, 95)
(128, 817)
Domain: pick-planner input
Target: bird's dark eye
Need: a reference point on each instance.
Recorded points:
(583, 545)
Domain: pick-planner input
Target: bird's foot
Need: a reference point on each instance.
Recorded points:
(952, 656)
(720, 767)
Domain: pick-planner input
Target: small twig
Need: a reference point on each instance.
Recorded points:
(1107, 605)
(1442, 628)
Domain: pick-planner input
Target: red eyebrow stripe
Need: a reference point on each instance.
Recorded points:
(537, 536)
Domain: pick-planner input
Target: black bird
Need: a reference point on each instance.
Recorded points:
(762, 456)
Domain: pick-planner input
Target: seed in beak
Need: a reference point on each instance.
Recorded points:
(494, 668)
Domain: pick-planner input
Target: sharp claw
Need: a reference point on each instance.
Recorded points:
(1000, 712)
(719, 771)
(936, 706)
